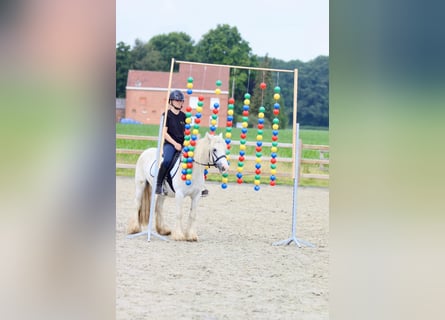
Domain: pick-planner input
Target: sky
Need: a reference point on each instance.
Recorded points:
(283, 29)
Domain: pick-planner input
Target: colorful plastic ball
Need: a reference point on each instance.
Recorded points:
(247, 96)
(272, 183)
(276, 96)
(275, 127)
(201, 98)
(276, 121)
(224, 185)
(247, 102)
(256, 188)
(190, 79)
(263, 85)
(277, 89)
(239, 181)
(244, 124)
(258, 166)
(183, 177)
(190, 85)
(188, 182)
(228, 141)
(189, 91)
(242, 147)
(260, 115)
(262, 109)
(217, 91)
(231, 101)
(259, 137)
(276, 112)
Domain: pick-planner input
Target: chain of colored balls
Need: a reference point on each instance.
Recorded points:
(228, 136)
(275, 127)
(259, 143)
(190, 136)
(243, 136)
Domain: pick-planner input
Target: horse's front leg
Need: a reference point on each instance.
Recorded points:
(178, 233)
(190, 232)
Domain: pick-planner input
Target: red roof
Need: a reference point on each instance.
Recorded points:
(204, 77)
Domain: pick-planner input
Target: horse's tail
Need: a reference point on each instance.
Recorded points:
(135, 224)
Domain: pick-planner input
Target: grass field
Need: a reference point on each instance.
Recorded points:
(308, 136)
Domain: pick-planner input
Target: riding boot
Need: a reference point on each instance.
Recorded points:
(160, 179)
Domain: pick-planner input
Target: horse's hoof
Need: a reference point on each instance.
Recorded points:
(192, 237)
(164, 232)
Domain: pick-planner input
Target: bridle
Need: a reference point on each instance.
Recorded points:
(215, 159)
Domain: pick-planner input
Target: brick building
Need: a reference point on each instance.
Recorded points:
(146, 92)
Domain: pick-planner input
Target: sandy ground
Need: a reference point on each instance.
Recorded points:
(233, 271)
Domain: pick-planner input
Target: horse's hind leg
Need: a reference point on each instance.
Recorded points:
(190, 233)
(134, 224)
(160, 224)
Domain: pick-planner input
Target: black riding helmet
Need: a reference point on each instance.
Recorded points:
(176, 95)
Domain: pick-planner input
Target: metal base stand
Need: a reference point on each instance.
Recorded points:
(299, 242)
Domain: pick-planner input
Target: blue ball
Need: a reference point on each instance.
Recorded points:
(189, 91)
(245, 108)
(273, 154)
(224, 185)
(187, 126)
(244, 130)
(228, 141)
(242, 152)
(239, 175)
(188, 182)
(261, 120)
(276, 106)
(258, 166)
(272, 177)
(216, 105)
(198, 115)
(259, 143)
(275, 132)
(212, 128)
(230, 118)
(184, 171)
(256, 188)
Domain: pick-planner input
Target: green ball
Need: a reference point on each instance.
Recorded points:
(260, 131)
(273, 166)
(275, 144)
(240, 164)
(259, 154)
(262, 109)
(242, 141)
(190, 80)
(257, 177)
(229, 129)
(276, 121)
(277, 89)
(247, 96)
(218, 83)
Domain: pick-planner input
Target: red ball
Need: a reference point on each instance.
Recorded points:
(201, 98)
(187, 132)
(276, 111)
(188, 109)
(260, 126)
(197, 120)
(273, 160)
(241, 158)
(272, 183)
(189, 165)
(185, 155)
(243, 136)
(263, 85)
(229, 123)
(228, 147)
(239, 180)
(274, 138)
(258, 171)
(258, 149)
(193, 143)
(245, 113)
(231, 101)
(215, 111)
(183, 177)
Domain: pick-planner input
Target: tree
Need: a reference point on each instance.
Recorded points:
(123, 64)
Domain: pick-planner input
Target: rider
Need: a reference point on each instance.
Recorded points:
(173, 135)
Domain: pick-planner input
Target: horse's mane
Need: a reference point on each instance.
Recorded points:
(201, 150)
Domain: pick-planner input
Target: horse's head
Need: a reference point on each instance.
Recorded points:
(217, 152)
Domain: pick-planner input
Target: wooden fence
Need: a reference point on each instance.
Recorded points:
(322, 162)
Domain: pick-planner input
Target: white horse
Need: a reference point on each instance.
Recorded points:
(209, 151)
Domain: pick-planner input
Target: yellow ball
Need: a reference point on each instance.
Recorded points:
(244, 124)
(274, 149)
(228, 135)
(257, 182)
(186, 143)
(261, 115)
(217, 91)
(258, 160)
(273, 171)
(188, 176)
(189, 85)
(225, 180)
(230, 112)
(184, 166)
(242, 147)
(195, 131)
(259, 137)
(275, 126)
(198, 109)
(188, 120)
(240, 169)
(276, 96)
(213, 122)
(190, 154)
(247, 102)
